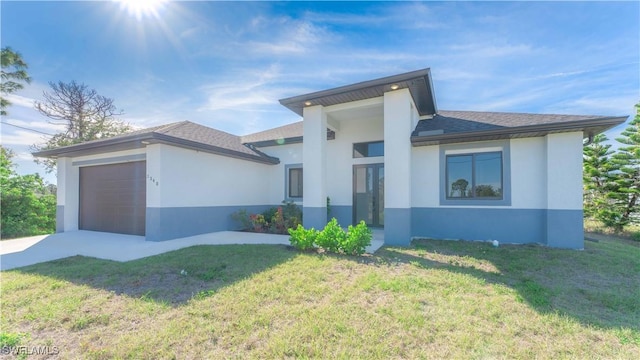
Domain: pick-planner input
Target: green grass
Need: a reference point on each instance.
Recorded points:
(630, 232)
(436, 299)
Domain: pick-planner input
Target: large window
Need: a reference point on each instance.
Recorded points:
(294, 183)
(368, 149)
(474, 176)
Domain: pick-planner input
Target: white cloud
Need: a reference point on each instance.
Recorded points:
(43, 126)
(294, 36)
(23, 156)
(618, 105)
(18, 100)
(22, 138)
(247, 95)
(487, 50)
(421, 17)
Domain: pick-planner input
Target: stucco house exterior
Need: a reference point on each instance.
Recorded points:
(381, 150)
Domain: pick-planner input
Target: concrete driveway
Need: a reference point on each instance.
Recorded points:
(118, 247)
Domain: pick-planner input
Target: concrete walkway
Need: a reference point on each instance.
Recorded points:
(32, 250)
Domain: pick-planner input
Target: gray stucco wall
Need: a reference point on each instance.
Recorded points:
(176, 222)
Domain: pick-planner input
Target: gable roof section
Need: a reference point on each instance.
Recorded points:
(289, 134)
(183, 134)
(282, 135)
(418, 82)
(465, 126)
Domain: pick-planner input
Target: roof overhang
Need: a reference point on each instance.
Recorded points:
(588, 127)
(140, 141)
(418, 82)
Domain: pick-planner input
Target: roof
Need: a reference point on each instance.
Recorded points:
(183, 134)
(418, 82)
(463, 126)
(283, 135)
(289, 131)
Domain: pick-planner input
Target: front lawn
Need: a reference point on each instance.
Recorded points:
(437, 299)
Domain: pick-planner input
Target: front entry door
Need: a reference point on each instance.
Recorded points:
(368, 194)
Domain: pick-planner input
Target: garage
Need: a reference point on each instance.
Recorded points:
(113, 198)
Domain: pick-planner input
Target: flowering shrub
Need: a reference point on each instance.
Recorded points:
(275, 220)
(258, 222)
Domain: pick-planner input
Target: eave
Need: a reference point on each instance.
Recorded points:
(418, 82)
(588, 127)
(142, 140)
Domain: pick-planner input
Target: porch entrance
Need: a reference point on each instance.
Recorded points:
(368, 194)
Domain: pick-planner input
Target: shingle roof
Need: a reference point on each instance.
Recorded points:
(452, 126)
(205, 135)
(287, 134)
(282, 132)
(185, 134)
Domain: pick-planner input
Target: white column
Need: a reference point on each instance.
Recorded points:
(154, 224)
(399, 113)
(68, 196)
(314, 146)
(564, 190)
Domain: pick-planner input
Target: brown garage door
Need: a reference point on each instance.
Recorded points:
(113, 198)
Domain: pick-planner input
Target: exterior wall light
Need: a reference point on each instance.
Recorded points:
(307, 103)
(395, 87)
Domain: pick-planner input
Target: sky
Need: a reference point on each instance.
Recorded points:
(226, 64)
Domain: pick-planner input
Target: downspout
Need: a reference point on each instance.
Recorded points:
(589, 140)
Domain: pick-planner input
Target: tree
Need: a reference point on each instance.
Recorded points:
(487, 190)
(626, 160)
(460, 186)
(14, 72)
(84, 113)
(598, 179)
(28, 207)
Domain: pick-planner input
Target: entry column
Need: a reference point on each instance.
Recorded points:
(399, 113)
(314, 146)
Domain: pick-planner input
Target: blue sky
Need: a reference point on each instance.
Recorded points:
(225, 65)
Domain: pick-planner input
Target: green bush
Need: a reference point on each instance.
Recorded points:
(269, 213)
(292, 214)
(357, 239)
(27, 207)
(303, 239)
(331, 236)
(277, 224)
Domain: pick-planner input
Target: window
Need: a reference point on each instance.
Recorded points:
(295, 183)
(368, 149)
(474, 176)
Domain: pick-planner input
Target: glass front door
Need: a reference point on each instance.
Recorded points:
(368, 194)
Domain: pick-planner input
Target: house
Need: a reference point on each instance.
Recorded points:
(380, 150)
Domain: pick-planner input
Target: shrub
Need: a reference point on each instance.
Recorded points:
(303, 239)
(274, 220)
(258, 222)
(277, 225)
(357, 239)
(331, 236)
(292, 214)
(269, 213)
